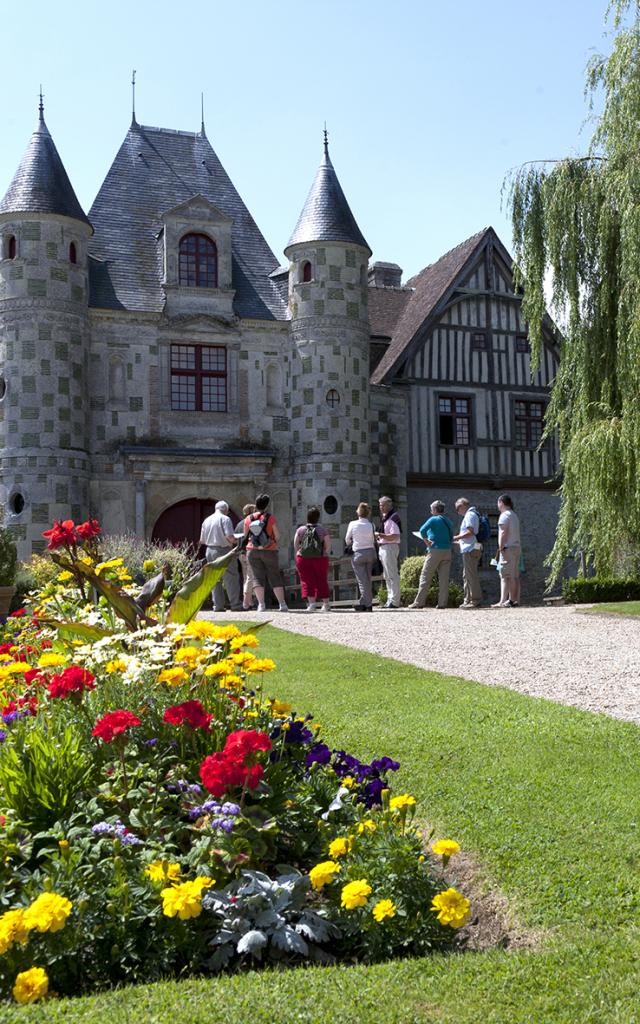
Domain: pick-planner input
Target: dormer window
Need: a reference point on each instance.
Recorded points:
(307, 271)
(11, 247)
(73, 254)
(198, 267)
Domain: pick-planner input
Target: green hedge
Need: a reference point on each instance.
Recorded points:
(595, 589)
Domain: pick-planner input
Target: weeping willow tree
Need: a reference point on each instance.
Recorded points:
(577, 221)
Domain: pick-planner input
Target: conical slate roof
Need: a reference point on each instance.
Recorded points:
(155, 170)
(326, 216)
(41, 184)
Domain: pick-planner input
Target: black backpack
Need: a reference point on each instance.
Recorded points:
(311, 546)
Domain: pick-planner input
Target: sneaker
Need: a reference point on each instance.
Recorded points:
(261, 608)
(388, 605)
(284, 608)
(326, 607)
(415, 607)
(310, 607)
(501, 604)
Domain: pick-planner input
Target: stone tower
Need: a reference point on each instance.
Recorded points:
(328, 293)
(44, 346)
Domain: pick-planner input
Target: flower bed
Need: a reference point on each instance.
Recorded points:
(164, 813)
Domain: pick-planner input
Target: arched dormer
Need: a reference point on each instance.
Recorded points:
(197, 258)
(197, 261)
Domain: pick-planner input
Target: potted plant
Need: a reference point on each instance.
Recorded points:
(8, 561)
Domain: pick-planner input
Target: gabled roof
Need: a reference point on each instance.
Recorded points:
(430, 286)
(326, 215)
(155, 170)
(41, 184)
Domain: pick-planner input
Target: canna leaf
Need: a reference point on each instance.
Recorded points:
(122, 604)
(77, 629)
(192, 595)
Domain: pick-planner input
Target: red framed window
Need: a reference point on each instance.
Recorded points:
(198, 262)
(454, 421)
(199, 378)
(73, 254)
(529, 423)
(307, 271)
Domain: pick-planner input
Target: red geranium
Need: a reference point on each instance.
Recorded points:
(18, 612)
(190, 713)
(61, 534)
(72, 680)
(235, 765)
(89, 530)
(113, 724)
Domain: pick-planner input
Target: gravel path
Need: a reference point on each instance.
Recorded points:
(586, 661)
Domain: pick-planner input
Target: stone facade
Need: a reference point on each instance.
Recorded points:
(90, 323)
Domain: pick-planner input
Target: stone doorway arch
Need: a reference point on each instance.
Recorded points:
(182, 521)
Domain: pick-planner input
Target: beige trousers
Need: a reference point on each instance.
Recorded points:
(470, 577)
(438, 560)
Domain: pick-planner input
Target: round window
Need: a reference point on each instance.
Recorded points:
(330, 505)
(333, 398)
(16, 503)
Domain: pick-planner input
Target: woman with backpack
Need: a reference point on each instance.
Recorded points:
(312, 546)
(361, 538)
(261, 535)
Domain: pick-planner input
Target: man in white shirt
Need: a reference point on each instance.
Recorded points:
(471, 552)
(509, 554)
(389, 550)
(217, 536)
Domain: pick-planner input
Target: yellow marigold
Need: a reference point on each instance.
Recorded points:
(243, 659)
(185, 900)
(163, 871)
(261, 665)
(231, 682)
(113, 563)
(280, 707)
(322, 874)
(251, 714)
(219, 668)
(339, 847)
(64, 576)
(445, 848)
(384, 909)
(117, 665)
(355, 894)
(48, 913)
(31, 985)
(49, 659)
(173, 676)
(189, 655)
(451, 907)
(12, 929)
(244, 640)
(148, 565)
(368, 825)
(16, 668)
(398, 803)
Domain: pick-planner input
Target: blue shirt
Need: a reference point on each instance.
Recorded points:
(439, 530)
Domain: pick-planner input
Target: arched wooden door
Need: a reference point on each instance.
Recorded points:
(182, 521)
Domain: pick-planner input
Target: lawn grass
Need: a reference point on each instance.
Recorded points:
(615, 608)
(546, 798)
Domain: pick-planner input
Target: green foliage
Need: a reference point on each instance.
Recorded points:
(38, 571)
(192, 595)
(579, 220)
(594, 589)
(44, 770)
(8, 557)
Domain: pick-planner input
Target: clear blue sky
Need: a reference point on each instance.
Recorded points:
(428, 105)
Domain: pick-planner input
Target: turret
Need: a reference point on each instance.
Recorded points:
(328, 293)
(44, 465)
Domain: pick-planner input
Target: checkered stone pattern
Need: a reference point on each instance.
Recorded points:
(43, 355)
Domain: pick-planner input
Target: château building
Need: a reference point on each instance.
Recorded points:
(155, 357)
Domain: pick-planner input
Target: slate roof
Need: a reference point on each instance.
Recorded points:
(429, 287)
(155, 169)
(41, 184)
(326, 215)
